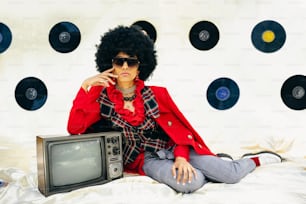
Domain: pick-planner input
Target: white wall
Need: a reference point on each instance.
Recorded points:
(259, 117)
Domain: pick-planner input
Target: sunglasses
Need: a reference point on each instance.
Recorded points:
(119, 61)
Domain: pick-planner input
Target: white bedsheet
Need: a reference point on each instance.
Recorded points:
(278, 183)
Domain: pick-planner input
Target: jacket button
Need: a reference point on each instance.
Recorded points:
(169, 123)
(189, 137)
(200, 146)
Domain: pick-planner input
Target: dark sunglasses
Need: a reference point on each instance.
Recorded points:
(119, 61)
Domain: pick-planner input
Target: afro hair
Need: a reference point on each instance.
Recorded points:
(130, 40)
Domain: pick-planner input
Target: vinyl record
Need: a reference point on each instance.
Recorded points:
(31, 93)
(293, 92)
(5, 37)
(204, 35)
(268, 36)
(148, 28)
(64, 37)
(222, 93)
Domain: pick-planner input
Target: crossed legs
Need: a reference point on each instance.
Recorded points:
(208, 168)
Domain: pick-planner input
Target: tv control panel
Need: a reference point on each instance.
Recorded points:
(113, 147)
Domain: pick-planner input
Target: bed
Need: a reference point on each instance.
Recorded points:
(277, 183)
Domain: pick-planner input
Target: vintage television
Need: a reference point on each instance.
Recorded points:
(66, 163)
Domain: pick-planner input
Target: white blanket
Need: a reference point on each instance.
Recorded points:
(277, 183)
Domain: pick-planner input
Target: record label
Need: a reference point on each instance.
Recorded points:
(204, 35)
(5, 37)
(64, 37)
(222, 93)
(268, 36)
(31, 93)
(148, 28)
(293, 92)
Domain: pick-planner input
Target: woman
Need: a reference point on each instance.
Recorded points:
(158, 140)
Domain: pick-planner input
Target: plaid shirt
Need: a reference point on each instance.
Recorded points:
(145, 137)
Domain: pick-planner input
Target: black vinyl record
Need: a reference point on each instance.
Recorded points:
(293, 92)
(222, 93)
(204, 35)
(268, 36)
(5, 37)
(148, 28)
(31, 93)
(64, 37)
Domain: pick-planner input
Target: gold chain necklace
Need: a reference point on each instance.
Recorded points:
(127, 92)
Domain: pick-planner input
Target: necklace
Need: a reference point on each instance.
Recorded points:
(129, 98)
(128, 90)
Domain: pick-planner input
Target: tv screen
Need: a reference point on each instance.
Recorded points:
(66, 163)
(75, 162)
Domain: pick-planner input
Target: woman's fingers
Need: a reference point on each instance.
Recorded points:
(186, 175)
(183, 171)
(102, 79)
(174, 171)
(107, 77)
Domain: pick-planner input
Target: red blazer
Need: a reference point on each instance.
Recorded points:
(86, 111)
(176, 125)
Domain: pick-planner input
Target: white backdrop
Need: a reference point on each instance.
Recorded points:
(259, 116)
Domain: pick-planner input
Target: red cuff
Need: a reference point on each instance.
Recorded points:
(181, 151)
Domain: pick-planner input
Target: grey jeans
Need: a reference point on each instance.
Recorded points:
(209, 169)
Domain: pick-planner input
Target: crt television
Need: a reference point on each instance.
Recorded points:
(66, 163)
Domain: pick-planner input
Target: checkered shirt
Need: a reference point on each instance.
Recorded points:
(136, 139)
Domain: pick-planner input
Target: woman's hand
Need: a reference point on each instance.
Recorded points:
(102, 79)
(183, 171)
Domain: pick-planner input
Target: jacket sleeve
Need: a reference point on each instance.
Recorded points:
(181, 151)
(85, 110)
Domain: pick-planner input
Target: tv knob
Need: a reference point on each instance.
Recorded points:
(115, 170)
(116, 150)
(114, 140)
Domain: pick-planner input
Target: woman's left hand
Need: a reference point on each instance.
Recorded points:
(183, 171)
